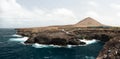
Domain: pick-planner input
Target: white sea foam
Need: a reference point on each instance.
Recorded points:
(15, 35)
(22, 39)
(89, 57)
(69, 46)
(39, 45)
(36, 45)
(89, 41)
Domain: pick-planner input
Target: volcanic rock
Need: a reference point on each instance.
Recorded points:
(70, 34)
(56, 38)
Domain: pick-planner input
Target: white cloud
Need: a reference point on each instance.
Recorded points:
(11, 9)
(92, 14)
(63, 12)
(93, 3)
(118, 14)
(115, 6)
(15, 15)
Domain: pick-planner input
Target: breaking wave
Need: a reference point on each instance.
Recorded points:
(15, 35)
(89, 41)
(36, 45)
(22, 39)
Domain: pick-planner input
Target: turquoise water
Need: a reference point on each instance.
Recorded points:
(16, 50)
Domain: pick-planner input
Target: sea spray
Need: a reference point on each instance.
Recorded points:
(22, 39)
(88, 41)
(15, 35)
(36, 45)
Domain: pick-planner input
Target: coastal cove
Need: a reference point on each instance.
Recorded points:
(59, 29)
(110, 36)
(88, 39)
(87, 29)
(12, 47)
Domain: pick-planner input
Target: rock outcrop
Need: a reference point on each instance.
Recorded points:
(111, 37)
(56, 38)
(111, 49)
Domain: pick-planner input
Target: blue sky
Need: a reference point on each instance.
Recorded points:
(34, 13)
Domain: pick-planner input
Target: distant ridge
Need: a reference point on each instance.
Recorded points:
(88, 22)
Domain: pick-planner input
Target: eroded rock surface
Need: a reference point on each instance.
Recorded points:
(111, 49)
(64, 36)
(56, 38)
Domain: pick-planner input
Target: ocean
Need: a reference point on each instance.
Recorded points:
(12, 47)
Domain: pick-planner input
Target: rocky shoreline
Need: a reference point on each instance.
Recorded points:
(65, 36)
(87, 29)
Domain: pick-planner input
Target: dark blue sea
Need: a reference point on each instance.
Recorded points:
(12, 47)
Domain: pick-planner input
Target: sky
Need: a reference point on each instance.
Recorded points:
(38, 13)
